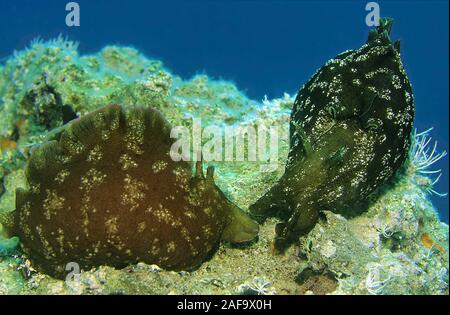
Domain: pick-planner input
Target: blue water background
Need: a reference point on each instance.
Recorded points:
(265, 47)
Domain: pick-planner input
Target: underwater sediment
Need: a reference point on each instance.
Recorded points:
(397, 245)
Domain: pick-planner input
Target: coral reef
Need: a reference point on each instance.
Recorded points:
(44, 104)
(349, 133)
(109, 184)
(381, 252)
(390, 256)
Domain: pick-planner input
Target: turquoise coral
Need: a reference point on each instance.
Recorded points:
(7, 245)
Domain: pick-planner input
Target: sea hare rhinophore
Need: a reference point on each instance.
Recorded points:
(107, 192)
(349, 133)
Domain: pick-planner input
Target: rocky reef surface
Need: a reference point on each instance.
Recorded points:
(395, 245)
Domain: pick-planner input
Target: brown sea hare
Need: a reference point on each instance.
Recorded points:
(106, 192)
(350, 132)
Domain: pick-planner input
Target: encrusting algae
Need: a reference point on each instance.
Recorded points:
(107, 192)
(429, 243)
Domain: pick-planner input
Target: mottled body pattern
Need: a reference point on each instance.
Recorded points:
(107, 192)
(349, 133)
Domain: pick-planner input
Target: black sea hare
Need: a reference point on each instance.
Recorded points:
(349, 133)
(106, 192)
